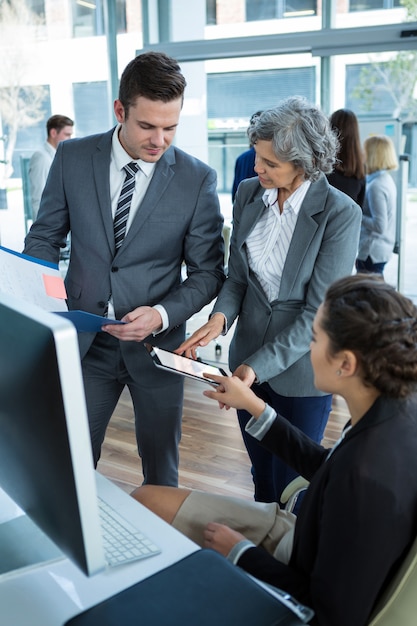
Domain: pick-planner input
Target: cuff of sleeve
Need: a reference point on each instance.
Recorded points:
(238, 549)
(257, 428)
(225, 329)
(164, 315)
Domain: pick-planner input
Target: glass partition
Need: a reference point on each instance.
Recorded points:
(239, 56)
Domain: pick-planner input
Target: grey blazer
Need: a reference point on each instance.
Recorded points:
(274, 338)
(178, 221)
(378, 228)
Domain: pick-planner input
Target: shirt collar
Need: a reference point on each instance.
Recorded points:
(295, 200)
(50, 149)
(270, 196)
(370, 177)
(121, 157)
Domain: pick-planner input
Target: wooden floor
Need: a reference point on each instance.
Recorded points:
(212, 454)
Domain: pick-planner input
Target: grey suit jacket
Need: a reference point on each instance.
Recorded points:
(178, 221)
(39, 166)
(274, 338)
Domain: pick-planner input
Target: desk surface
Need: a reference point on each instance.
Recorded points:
(48, 595)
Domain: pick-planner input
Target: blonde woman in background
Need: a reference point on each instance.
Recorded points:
(377, 238)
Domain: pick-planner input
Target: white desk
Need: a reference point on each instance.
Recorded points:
(50, 594)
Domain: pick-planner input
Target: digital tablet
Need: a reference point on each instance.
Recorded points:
(172, 362)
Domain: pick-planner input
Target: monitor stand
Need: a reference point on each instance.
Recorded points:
(24, 545)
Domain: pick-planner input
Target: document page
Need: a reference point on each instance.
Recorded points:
(33, 280)
(41, 283)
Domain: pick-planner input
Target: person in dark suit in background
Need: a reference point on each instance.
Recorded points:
(245, 162)
(174, 219)
(293, 235)
(349, 172)
(358, 518)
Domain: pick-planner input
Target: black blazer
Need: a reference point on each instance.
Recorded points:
(358, 517)
(350, 185)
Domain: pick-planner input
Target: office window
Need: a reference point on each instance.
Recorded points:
(278, 9)
(88, 17)
(382, 101)
(239, 94)
(224, 148)
(32, 137)
(37, 7)
(211, 13)
(121, 23)
(372, 5)
(91, 114)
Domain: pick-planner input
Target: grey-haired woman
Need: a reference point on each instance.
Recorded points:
(293, 235)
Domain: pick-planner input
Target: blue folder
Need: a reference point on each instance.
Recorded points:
(87, 322)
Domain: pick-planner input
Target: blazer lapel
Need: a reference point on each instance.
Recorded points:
(249, 217)
(304, 232)
(160, 180)
(101, 175)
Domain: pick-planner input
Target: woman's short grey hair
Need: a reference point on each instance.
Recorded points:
(300, 133)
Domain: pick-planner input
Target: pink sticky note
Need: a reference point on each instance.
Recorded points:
(54, 286)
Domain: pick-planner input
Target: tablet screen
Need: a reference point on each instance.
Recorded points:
(183, 365)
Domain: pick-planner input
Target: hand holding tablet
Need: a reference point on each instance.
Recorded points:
(183, 365)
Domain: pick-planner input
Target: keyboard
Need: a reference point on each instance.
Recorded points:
(122, 541)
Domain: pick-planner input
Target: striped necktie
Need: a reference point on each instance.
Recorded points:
(123, 205)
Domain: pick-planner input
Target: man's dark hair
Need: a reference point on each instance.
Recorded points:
(58, 122)
(152, 75)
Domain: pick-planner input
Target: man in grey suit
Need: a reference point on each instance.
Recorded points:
(174, 222)
(58, 128)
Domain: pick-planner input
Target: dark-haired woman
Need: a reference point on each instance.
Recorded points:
(349, 172)
(359, 514)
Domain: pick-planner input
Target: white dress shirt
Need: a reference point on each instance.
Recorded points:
(118, 159)
(268, 243)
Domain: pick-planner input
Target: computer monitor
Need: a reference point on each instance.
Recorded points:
(46, 463)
